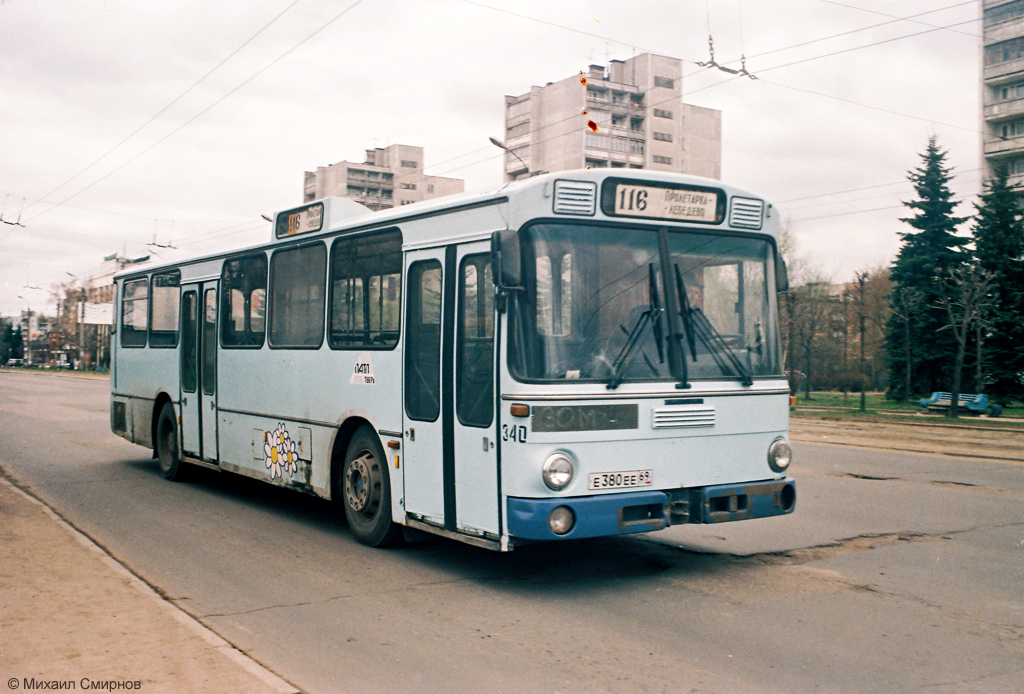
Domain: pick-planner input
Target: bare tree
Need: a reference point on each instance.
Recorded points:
(810, 307)
(906, 302)
(966, 299)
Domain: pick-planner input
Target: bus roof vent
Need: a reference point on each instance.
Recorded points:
(576, 197)
(746, 213)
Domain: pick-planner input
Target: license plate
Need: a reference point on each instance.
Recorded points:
(621, 480)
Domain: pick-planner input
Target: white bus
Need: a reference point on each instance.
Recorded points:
(579, 354)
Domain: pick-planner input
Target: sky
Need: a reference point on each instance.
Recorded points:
(128, 127)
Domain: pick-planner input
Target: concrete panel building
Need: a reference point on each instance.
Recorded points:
(389, 177)
(1003, 87)
(629, 114)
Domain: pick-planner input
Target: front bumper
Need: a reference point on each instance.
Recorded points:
(640, 512)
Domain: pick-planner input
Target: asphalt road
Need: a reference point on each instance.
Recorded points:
(898, 572)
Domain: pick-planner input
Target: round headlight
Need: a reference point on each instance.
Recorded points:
(561, 520)
(780, 455)
(557, 471)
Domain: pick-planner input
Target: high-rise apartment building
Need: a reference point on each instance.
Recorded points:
(1003, 87)
(389, 177)
(629, 114)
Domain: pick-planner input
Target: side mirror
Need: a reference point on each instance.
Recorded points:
(781, 274)
(506, 259)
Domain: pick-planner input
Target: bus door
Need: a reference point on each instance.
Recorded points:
(451, 475)
(199, 371)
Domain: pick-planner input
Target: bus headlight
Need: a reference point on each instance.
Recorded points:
(780, 455)
(557, 471)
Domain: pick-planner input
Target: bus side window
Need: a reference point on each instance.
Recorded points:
(243, 302)
(366, 289)
(164, 304)
(474, 396)
(297, 278)
(423, 342)
(189, 344)
(134, 312)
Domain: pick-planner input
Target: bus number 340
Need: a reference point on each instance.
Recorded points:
(513, 433)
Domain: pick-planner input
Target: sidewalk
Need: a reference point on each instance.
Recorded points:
(73, 618)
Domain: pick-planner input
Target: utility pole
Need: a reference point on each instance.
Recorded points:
(26, 337)
(81, 334)
(861, 276)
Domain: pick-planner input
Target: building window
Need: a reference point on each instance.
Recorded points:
(666, 82)
(664, 137)
(1013, 91)
(407, 186)
(1014, 129)
(1015, 167)
(1004, 51)
(430, 187)
(518, 129)
(1011, 10)
(298, 296)
(519, 108)
(662, 160)
(660, 113)
(408, 164)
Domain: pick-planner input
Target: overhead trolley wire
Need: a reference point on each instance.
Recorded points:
(205, 110)
(163, 110)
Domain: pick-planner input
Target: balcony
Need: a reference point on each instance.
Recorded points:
(1004, 109)
(993, 72)
(1001, 148)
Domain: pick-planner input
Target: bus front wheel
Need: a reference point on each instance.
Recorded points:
(366, 491)
(167, 444)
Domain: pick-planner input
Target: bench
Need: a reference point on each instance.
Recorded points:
(971, 402)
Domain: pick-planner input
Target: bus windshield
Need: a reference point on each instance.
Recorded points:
(596, 306)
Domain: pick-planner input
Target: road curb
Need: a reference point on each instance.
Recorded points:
(221, 645)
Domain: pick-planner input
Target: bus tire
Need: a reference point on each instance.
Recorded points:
(167, 456)
(366, 491)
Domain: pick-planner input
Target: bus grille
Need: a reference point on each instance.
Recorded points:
(746, 213)
(575, 197)
(683, 416)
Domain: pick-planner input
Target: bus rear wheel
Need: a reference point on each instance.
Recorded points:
(366, 491)
(167, 457)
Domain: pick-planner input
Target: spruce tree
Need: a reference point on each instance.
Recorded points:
(930, 250)
(999, 247)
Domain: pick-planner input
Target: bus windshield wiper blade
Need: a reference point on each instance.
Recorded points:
(651, 316)
(698, 325)
(686, 313)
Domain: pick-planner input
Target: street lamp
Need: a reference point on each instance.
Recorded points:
(501, 145)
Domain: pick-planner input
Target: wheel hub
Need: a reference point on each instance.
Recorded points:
(359, 483)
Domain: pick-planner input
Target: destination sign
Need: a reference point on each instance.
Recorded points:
(674, 203)
(303, 220)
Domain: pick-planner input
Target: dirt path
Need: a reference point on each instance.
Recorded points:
(924, 437)
(70, 617)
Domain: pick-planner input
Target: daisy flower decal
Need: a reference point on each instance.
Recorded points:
(279, 453)
(289, 459)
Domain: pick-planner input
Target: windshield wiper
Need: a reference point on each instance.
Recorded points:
(697, 325)
(652, 317)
